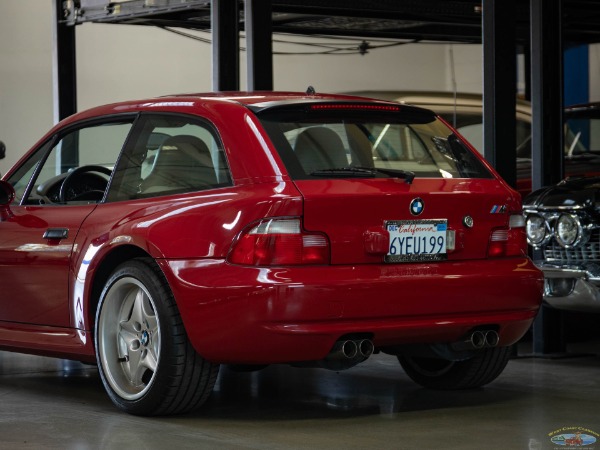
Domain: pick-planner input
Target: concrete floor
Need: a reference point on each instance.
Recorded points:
(54, 404)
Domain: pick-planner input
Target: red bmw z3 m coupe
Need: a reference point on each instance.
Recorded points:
(164, 237)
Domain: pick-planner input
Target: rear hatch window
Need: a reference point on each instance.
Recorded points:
(386, 183)
(345, 141)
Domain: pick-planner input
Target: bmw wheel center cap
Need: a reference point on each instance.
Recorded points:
(417, 206)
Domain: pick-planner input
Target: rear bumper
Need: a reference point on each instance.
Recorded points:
(236, 314)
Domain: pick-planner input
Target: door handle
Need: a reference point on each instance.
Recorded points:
(56, 233)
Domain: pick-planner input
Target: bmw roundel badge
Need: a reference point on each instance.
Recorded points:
(417, 206)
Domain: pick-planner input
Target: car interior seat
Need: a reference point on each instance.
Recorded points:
(319, 148)
(182, 163)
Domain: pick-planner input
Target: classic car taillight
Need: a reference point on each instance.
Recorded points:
(280, 242)
(509, 241)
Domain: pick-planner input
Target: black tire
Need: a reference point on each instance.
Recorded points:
(145, 360)
(436, 373)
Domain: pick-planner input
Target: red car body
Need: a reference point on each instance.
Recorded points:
(57, 256)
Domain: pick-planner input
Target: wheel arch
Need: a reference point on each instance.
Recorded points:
(102, 272)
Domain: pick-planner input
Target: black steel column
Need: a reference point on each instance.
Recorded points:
(527, 69)
(546, 92)
(63, 65)
(500, 86)
(259, 46)
(225, 45)
(547, 135)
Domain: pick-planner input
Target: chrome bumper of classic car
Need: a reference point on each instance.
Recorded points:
(574, 288)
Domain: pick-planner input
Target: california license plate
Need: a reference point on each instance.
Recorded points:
(417, 240)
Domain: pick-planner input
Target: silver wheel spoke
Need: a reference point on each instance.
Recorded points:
(150, 359)
(135, 369)
(138, 314)
(152, 324)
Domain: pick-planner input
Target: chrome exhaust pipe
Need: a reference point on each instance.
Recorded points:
(344, 354)
(491, 338)
(343, 350)
(365, 348)
(477, 339)
(349, 349)
(474, 341)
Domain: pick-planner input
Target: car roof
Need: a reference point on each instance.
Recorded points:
(254, 97)
(186, 102)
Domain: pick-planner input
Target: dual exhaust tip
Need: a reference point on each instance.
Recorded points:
(350, 349)
(347, 353)
(477, 340)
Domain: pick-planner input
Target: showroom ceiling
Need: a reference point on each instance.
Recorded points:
(417, 20)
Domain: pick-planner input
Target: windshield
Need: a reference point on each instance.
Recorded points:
(345, 143)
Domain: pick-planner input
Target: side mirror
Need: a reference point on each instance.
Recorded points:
(2, 150)
(7, 194)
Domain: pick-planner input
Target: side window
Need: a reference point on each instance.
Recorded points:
(21, 178)
(523, 132)
(523, 139)
(473, 134)
(75, 167)
(170, 155)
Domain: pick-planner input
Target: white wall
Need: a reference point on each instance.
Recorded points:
(25, 74)
(120, 62)
(117, 62)
(594, 61)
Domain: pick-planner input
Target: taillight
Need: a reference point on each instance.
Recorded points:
(279, 242)
(509, 241)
